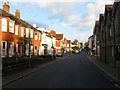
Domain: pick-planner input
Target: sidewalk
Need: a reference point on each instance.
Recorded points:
(111, 72)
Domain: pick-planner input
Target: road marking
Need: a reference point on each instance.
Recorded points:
(117, 85)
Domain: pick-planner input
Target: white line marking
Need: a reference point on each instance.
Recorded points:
(117, 85)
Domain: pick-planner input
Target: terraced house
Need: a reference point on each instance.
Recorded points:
(108, 35)
(116, 27)
(18, 36)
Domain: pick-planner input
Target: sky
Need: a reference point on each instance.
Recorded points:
(74, 18)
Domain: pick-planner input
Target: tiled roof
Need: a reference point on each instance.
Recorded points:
(59, 36)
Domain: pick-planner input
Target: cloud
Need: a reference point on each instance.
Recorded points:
(64, 12)
(86, 22)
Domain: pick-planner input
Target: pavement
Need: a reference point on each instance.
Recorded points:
(113, 74)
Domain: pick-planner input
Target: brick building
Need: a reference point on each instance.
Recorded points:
(59, 42)
(116, 28)
(18, 36)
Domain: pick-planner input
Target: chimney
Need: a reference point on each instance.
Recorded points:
(34, 25)
(6, 7)
(17, 13)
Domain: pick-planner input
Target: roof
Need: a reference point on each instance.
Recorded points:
(69, 41)
(59, 36)
(18, 20)
(109, 6)
(53, 33)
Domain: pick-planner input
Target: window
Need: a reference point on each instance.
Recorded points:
(27, 49)
(11, 49)
(39, 36)
(4, 48)
(36, 36)
(27, 32)
(67, 45)
(31, 33)
(31, 50)
(110, 32)
(36, 47)
(4, 24)
(16, 30)
(22, 32)
(11, 26)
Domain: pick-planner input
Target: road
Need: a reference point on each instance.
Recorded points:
(71, 71)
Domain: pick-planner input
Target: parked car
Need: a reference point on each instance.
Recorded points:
(60, 54)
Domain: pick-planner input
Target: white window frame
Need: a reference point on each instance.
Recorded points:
(31, 33)
(27, 32)
(4, 25)
(4, 49)
(16, 29)
(11, 26)
(22, 31)
(11, 53)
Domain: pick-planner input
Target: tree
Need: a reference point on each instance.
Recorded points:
(86, 44)
(75, 48)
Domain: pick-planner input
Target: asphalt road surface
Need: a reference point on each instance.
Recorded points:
(71, 71)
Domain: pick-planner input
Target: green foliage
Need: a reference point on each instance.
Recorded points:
(86, 44)
(75, 48)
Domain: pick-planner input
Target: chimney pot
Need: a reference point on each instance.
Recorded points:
(6, 7)
(17, 13)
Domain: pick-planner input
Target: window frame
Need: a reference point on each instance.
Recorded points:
(16, 30)
(3, 49)
(4, 25)
(11, 26)
(22, 31)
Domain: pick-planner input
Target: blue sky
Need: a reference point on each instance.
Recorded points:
(74, 18)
